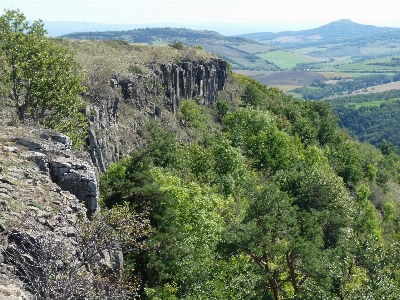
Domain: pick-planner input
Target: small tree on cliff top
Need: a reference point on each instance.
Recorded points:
(44, 78)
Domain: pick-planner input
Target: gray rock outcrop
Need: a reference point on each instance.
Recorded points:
(51, 151)
(153, 95)
(45, 189)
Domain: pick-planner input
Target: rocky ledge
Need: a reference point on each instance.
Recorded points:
(45, 188)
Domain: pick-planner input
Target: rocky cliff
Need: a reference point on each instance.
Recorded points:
(139, 97)
(44, 187)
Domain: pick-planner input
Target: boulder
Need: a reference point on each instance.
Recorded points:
(72, 172)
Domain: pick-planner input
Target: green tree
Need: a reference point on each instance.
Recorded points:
(223, 106)
(251, 96)
(45, 80)
(188, 229)
(256, 132)
(191, 114)
(387, 148)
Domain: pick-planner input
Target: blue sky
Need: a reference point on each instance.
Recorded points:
(266, 15)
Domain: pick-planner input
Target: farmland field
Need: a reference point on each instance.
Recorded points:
(308, 50)
(296, 78)
(380, 47)
(373, 103)
(252, 48)
(223, 50)
(381, 88)
(286, 60)
(252, 73)
(254, 64)
(336, 74)
(338, 51)
(364, 66)
(286, 88)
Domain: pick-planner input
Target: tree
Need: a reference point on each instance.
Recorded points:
(45, 81)
(251, 96)
(262, 142)
(387, 148)
(191, 114)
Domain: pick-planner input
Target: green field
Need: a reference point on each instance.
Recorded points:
(308, 50)
(364, 66)
(380, 48)
(286, 60)
(254, 64)
(252, 48)
(372, 103)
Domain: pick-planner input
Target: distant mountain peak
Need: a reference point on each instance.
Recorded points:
(335, 31)
(344, 21)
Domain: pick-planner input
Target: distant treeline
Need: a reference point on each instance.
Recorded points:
(149, 35)
(319, 90)
(363, 98)
(360, 41)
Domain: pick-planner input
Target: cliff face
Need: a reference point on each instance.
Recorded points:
(44, 187)
(118, 113)
(198, 80)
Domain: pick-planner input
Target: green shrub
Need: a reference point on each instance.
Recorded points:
(135, 69)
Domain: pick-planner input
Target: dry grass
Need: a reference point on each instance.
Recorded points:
(336, 74)
(110, 57)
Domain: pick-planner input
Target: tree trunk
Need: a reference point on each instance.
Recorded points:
(292, 272)
(264, 263)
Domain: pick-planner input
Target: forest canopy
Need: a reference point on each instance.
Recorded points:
(278, 203)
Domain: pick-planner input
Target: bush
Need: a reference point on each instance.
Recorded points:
(135, 69)
(45, 79)
(177, 45)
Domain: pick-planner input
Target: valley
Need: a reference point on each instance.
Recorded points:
(313, 64)
(168, 163)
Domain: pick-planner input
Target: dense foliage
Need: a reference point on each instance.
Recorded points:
(370, 117)
(42, 77)
(261, 196)
(273, 201)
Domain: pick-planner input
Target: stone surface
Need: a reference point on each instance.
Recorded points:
(153, 95)
(51, 151)
(29, 191)
(77, 177)
(12, 291)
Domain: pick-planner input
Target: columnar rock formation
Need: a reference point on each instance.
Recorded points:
(148, 95)
(197, 80)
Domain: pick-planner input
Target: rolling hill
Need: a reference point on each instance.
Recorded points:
(335, 31)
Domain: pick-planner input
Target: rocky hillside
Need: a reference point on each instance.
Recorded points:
(130, 84)
(42, 183)
(223, 188)
(46, 188)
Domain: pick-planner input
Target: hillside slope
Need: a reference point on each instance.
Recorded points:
(335, 31)
(242, 185)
